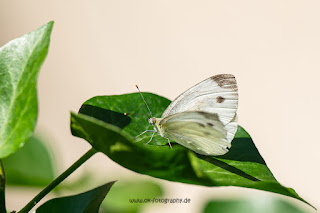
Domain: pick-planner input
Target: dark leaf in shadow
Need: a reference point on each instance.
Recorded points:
(87, 202)
(243, 166)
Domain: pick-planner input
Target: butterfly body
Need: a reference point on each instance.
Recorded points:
(155, 122)
(203, 118)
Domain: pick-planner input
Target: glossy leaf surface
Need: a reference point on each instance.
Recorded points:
(20, 62)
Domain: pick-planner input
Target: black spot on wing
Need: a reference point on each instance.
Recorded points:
(210, 124)
(220, 99)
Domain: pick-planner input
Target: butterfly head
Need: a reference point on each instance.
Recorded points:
(152, 121)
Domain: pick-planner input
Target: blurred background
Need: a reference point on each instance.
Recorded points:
(107, 47)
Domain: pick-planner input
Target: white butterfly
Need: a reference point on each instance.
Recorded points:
(203, 118)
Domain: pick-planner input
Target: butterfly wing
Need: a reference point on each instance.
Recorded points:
(199, 131)
(217, 94)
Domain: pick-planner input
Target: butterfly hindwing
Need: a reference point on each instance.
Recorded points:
(199, 131)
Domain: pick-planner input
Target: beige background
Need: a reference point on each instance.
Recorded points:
(106, 47)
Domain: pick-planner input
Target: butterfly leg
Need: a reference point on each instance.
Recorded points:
(151, 137)
(145, 132)
(168, 142)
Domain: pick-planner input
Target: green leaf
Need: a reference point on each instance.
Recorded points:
(242, 166)
(30, 166)
(20, 61)
(266, 204)
(124, 196)
(87, 202)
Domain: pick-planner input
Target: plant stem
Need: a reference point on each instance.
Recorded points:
(58, 180)
(2, 188)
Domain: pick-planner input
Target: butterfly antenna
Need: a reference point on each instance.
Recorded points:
(144, 101)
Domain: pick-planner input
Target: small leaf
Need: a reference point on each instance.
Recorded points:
(30, 166)
(266, 204)
(123, 194)
(20, 62)
(242, 166)
(87, 202)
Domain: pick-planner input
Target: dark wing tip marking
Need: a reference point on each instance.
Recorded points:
(225, 80)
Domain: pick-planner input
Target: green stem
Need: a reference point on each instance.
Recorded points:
(2, 188)
(58, 180)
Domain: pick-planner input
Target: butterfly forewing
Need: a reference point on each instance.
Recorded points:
(232, 128)
(217, 94)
